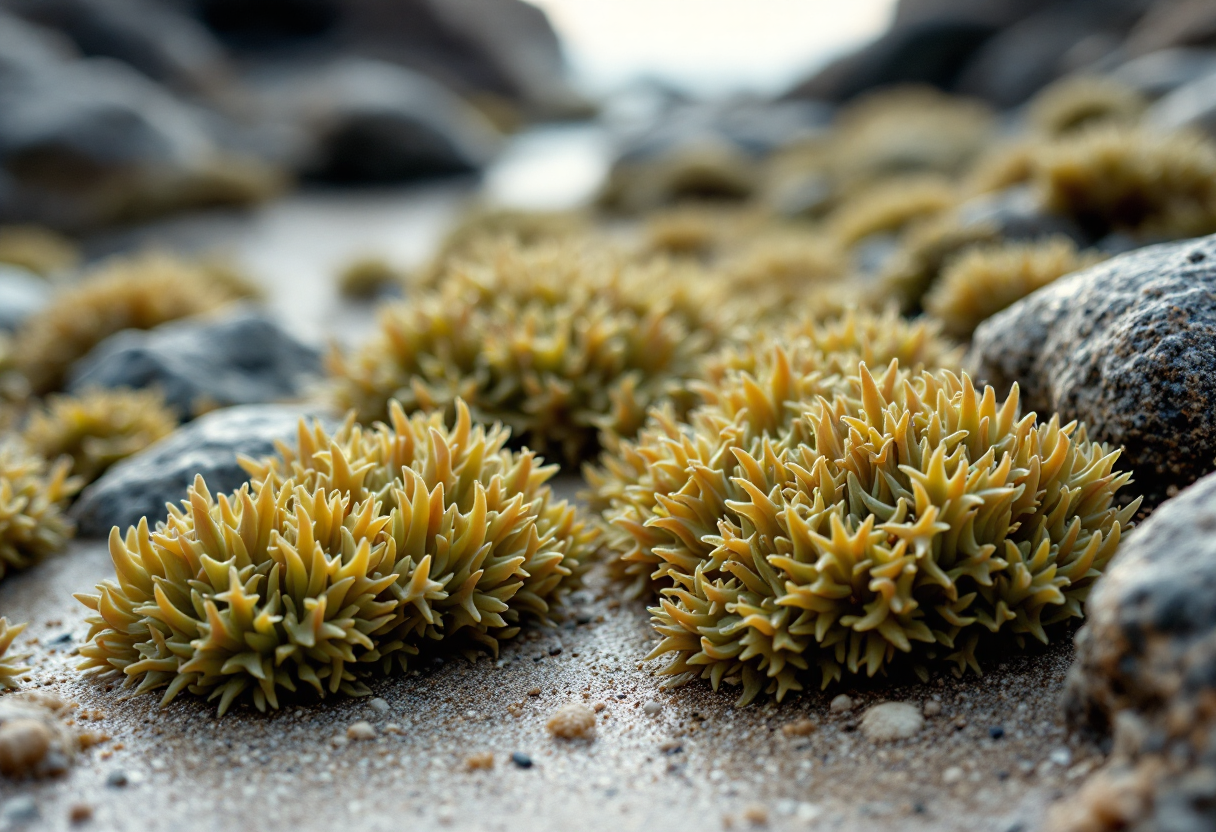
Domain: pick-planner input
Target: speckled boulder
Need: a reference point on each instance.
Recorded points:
(1128, 347)
(1145, 675)
(141, 485)
(240, 358)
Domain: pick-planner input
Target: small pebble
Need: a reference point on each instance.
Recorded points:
(599, 706)
(756, 815)
(841, 703)
(891, 721)
(799, 728)
(952, 775)
(80, 813)
(21, 809)
(378, 705)
(480, 762)
(521, 759)
(996, 732)
(360, 730)
(534, 692)
(24, 744)
(932, 707)
(117, 778)
(652, 708)
(1061, 756)
(572, 721)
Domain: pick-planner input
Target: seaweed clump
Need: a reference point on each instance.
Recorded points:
(368, 278)
(747, 392)
(344, 558)
(555, 341)
(32, 494)
(1080, 102)
(898, 521)
(37, 249)
(11, 669)
(986, 279)
(129, 293)
(98, 428)
(1133, 182)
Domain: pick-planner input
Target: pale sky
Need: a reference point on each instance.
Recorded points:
(710, 46)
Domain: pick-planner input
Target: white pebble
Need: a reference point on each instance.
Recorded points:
(843, 702)
(1061, 756)
(652, 708)
(361, 731)
(932, 707)
(952, 775)
(892, 721)
(378, 705)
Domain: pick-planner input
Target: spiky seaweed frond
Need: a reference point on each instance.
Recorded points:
(553, 341)
(1082, 101)
(985, 279)
(891, 205)
(347, 556)
(32, 523)
(126, 293)
(98, 428)
(749, 392)
(11, 668)
(903, 519)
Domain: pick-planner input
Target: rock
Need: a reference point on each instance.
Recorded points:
(148, 35)
(1164, 71)
(841, 703)
(1023, 58)
(93, 142)
(361, 730)
(572, 721)
(34, 742)
(499, 49)
(1128, 347)
(799, 728)
(521, 759)
(1191, 106)
(26, 48)
(140, 486)
(652, 708)
(932, 708)
(241, 358)
(21, 809)
(22, 293)
(1017, 213)
(890, 721)
(371, 121)
(1173, 23)
(1145, 672)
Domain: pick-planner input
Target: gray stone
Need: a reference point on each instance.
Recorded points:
(26, 48)
(148, 35)
(1129, 348)
(371, 121)
(22, 293)
(20, 809)
(141, 485)
(1017, 213)
(1191, 106)
(1145, 669)
(1164, 71)
(241, 358)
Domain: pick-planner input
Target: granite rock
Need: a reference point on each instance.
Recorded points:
(141, 485)
(240, 358)
(1129, 348)
(1144, 676)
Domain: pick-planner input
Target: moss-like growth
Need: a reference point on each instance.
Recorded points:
(127, 293)
(712, 170)
(782, 271)
(38, 249)
(98, 428)
(898, 131)
(32, 494)
(1003, 166)
(1149, 185)
(925, 250)
(986, 279)
(901, 521)
(368, 278)
(11, 668)
(481, 230)
(1078, 102)
(555, 341)
(750, 391)
(890, 206)
(347, 556)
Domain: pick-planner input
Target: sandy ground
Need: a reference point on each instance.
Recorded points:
(696, 764)
(699, 763)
